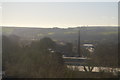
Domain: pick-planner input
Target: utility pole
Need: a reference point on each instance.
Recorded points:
(79, 52)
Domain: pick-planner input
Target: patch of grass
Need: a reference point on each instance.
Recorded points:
(109, 33)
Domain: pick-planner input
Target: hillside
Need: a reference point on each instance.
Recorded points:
(88, 34)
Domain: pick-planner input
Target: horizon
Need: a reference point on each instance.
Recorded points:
(55, 27)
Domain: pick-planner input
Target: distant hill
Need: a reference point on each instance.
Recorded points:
(88, 34)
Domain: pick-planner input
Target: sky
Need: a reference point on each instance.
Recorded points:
(59, 14)
(59, 0)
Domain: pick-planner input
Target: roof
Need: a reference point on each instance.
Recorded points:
(87, 44)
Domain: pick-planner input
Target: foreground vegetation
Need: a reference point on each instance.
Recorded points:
(37, 61)
(34, 61)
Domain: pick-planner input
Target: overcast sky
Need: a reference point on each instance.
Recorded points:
(59, 14)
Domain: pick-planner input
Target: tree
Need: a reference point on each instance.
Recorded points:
(46, 43)
(106, 55)
(9, 49)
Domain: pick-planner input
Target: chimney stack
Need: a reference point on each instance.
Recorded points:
(79, 52)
